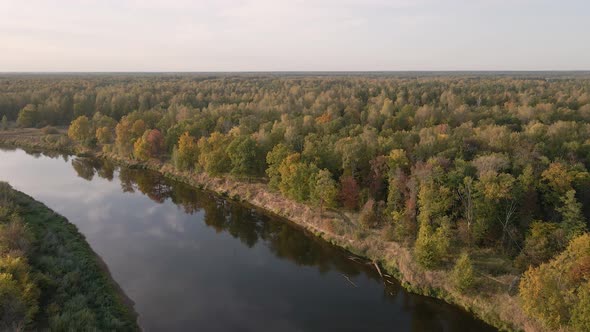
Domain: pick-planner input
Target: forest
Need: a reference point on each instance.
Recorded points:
(455, 166)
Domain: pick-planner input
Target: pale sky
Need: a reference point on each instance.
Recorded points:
(300, 35)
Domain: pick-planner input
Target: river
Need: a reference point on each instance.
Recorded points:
(191, 260)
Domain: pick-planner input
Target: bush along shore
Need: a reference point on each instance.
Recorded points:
(50, 279)
(490, 297)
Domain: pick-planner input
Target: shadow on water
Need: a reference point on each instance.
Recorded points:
(388, 307)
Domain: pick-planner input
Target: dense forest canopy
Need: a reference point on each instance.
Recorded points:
(444, 163)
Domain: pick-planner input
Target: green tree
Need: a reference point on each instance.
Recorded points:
(572, 220)
(244, 154)
(580, 319)
(213, 155)
(542, 242)
(29, 116)
(324, 191)
(425, 246)
(274, 159)
(296, 178)
(463, 274)
(4, 122)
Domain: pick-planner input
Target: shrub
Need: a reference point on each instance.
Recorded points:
(49, 130)
(368, 218)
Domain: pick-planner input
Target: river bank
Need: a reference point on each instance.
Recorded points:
(73, 288)
(491, 302)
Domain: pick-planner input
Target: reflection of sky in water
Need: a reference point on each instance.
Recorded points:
(186, 275)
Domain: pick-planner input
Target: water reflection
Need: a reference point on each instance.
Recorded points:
(242, 223)
(192, 260)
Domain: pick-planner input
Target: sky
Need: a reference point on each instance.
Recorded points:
(297, 35)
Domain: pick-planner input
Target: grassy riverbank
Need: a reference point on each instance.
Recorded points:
(492, 300)
(50, 279)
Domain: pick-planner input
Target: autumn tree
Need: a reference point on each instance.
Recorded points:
(138, 128)
(155, 140)
(349, 192)
(187, 152)
(104, 135)
(80, 129)
(124, 137)
(562, 286)
(141, 147)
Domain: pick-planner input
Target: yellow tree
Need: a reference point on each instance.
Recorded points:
(187, 152)
(80, 129)
(104, 135)
(141, 147)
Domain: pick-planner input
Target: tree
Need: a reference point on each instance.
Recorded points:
(274, 159)
(553, 291)
(124, 138)
(138, 128)
(557, 180)
(244, 154)
(141, 147)
(213, 155)
(580, 320)
(425, 246)
(187, 152)
(297, 178)
(572, 220)
(149, 145)
(349, 192)
(543, 240)
(324, 190)
(463, 274)
(29, 116)
(4, 122)
(104, 135)
(80, 129)
(155, 141)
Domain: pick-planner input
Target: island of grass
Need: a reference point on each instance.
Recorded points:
(49, 276)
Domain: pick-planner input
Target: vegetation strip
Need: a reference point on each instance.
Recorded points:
(49, 276)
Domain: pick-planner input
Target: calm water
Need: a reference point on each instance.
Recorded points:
(193, 261)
